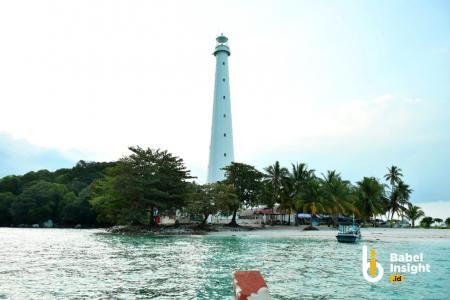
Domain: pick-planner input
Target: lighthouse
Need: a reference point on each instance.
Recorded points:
(221, 152)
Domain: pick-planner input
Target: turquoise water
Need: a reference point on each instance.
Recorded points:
(82, 264)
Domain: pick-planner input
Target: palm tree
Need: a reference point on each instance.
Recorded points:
(337, 195)
(394, 175)
(276, 178)
(404, 192)
(370, 198)
(399, 199)
(310, 200)
(413, 213)
(400, 192)
(295, 185)
(299, 177)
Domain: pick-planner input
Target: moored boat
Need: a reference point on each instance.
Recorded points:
(348, 233)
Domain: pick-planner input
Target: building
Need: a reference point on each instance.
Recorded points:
(221, 152)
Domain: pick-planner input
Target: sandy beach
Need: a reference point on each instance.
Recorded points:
(324, 232)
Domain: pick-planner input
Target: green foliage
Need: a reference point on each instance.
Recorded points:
(38, 203)
(82, 175)
(132, 189)
(276, 179)
(447, 222)
(337, 195)
(394, 175)
(11, 184)
(140, 183)
(6, 199)
(44, 195)
(311, 199)
(426, 222)
(400, 192)
(438, 221)
(210, 199)
(370, 199)
(413, 213)
(247, 181)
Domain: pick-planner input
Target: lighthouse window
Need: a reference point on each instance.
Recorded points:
(225, 154)
(223, 63)
(223, 97)
(223, 79)
(224, 134)
(224, 115)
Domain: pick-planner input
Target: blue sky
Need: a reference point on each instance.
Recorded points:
(354, 86)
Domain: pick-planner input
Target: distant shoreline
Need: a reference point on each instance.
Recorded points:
(324, 232)
(277, 231)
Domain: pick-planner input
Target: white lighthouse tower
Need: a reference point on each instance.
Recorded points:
(221, 152)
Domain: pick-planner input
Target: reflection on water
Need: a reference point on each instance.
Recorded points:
(65, 263)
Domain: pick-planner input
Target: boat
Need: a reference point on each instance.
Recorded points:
(348, 233)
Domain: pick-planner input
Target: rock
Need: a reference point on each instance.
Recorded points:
(35, 225)
(78, 226)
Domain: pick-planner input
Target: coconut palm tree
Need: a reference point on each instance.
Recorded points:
(399, 199)
(413, 213)
(298, 177)
(400, 192)
(404, 192)
(276, 178)
(370, 198)
(295, 184)
(337, 194)
(393, 175)
(310, 200)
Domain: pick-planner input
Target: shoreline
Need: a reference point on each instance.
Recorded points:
(278, 231)
(324, 232)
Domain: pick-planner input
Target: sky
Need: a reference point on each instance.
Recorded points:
(355, 86)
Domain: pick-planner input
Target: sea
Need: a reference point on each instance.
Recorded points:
(91, 264)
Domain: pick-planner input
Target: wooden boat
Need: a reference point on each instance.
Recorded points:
(348, 233)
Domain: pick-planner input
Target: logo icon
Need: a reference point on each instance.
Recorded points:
(372, 271)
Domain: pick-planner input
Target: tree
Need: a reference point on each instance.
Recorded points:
(447, 222)
(276, 179)
(139, 184)
(296, 184)
(11, 184)
(82, 174)
(393, 175)
(400, 192)
(426, 222)
(6, 199)
(210, 199)
(311, 199)
(299, 177)
(247, 181)
(413, 213)
(370, 198)
(77, 209)
(403, 194)
(337, 194)
(438, 221)
(38, 203)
